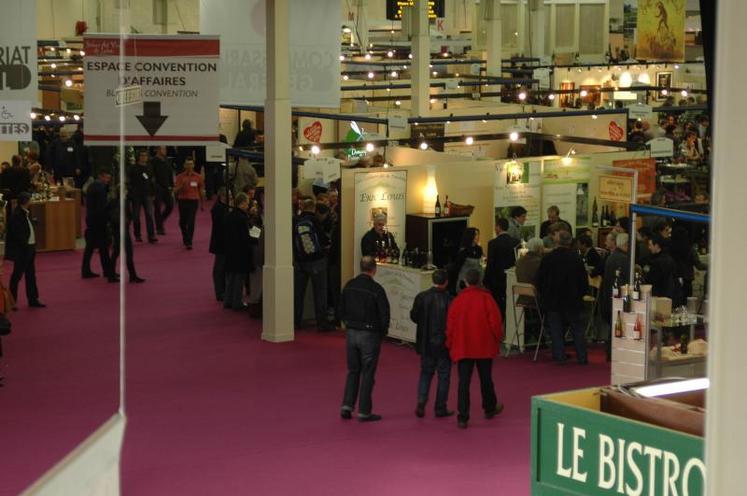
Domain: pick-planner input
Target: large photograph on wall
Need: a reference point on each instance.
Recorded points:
(661, 30)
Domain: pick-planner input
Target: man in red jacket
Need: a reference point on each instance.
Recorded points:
(474, 328)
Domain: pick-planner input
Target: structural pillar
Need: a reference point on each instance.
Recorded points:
(537, 28)
(494, 38)
(421, 59)
(726, 403)
(361, 16)
(277, 275)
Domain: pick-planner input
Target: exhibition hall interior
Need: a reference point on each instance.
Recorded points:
(365, 247)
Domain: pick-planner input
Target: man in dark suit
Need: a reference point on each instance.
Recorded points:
(20, 247)
(553, 216)
(501, 256)
(97, 218)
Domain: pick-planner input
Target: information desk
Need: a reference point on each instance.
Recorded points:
(402, 285)
(55, 224)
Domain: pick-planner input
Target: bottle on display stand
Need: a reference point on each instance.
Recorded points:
(438, 207)
(395, 255)
(594, 214)
(684, 340)
(627, 306)
(619, 325)
(447, 207)
(612, 217)
(638, 329)
(403, 257)
(415, 258)
(616, 285)
(637, 287)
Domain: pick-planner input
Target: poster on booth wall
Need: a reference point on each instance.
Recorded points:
(661, 30)
(567, 187)
(646, 168)
(517, 184)
(18, 65)
(177, 100)
(379, 193)
(314, 53)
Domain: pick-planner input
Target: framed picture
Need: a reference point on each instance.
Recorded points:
(567, 100)
(594, 96)
(663, 80)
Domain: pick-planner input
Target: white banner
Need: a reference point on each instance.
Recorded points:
(661, 147)
(314, 50)
(18, 67)
(178, 76)
(15, 121)
(375, 193)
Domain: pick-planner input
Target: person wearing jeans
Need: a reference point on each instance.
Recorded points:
(474, 327)
(364, 309)
(429, 312)
(141, 189)
(189, 188)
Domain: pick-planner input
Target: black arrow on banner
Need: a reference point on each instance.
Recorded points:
(152, 120)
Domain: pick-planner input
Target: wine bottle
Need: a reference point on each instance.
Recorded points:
(619, 325)
(626, 299)
(637, 287)
(638, 329)
(684, 338)
(403, 257)
(438, 207)
(395, 255)
(616, 285)
(594, 214)
(612, 217)
(447, 207)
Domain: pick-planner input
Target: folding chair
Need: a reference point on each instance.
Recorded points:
(595, 283)
(528, 290)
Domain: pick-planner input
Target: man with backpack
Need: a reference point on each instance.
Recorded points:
(310, 248)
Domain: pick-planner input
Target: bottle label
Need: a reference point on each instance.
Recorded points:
(636, 295)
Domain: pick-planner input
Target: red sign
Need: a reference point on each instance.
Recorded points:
(616, 132)
(313, 132)
(646, 168)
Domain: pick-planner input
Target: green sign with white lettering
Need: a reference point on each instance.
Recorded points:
(577, 450)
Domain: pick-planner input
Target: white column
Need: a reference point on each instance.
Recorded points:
(494, 39)
(421, 59)
(726, 431)
(277, 290)
(361, 16)
(537, 27)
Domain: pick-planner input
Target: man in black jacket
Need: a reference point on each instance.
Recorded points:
(501, 256)
(20, 247)
(97, 218)
(140, 190)
(377, 236)
(429, 312)
(590, 255)
(562, 282)
(310, 248)
(238, 253)
(163, 200)
(218, 215)
(364, 308)
(661, 269)
(553, 216)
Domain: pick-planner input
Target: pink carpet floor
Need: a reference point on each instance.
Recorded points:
(214, 410)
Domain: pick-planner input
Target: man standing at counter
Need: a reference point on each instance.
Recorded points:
(364, 308)
(501, 256)
(20, 247)
(553, 216)
(376, 237)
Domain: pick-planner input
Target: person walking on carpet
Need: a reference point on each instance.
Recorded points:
(429, 312)
(189, 189)
(364, 308)
(20, 247)
(474, 328)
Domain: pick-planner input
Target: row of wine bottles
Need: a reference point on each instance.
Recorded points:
(607, 219)
(624, 291)
(446, 211)
(637, 328)
(386, 253)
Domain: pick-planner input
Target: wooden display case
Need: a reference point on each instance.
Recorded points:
(439, 235)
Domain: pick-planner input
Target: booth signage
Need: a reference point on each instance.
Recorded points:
(543, 76)
(15, 121)
(580, 451)
(322, 169)
(128, 95)
(18, 66)
(646, 168)
(379, 193)
(661, 147)
(313, 132)
(615, 188)
(639, 111)
(216, 152)
(397, 123)
(179, 80)
(314, 73)
(394, 8)
(616, 132)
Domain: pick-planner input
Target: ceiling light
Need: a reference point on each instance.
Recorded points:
(370, 147)
(433, 100)
(68, 83)
(62, 118)
(51, 49)
(315, 149)
(665, 92)
(370, 75)
(513, 136)
(684, 93)
(76, 117)
(367, 56)
(390, 54)
(457, 74)
(47, 118)
(345, 77)
(469, 140)
(435, 74)
(370, 45)
(594, 116)
(409, 56)
(347, 30)
(67, 51)
(82, 53)
(53, 66)
(394, 74)
(584, 93)
(397, 102)
(423, 145)
(342, 57)
(33, 115)
(551, 96)
(522, 96)
(445, 54)
(676, 66)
